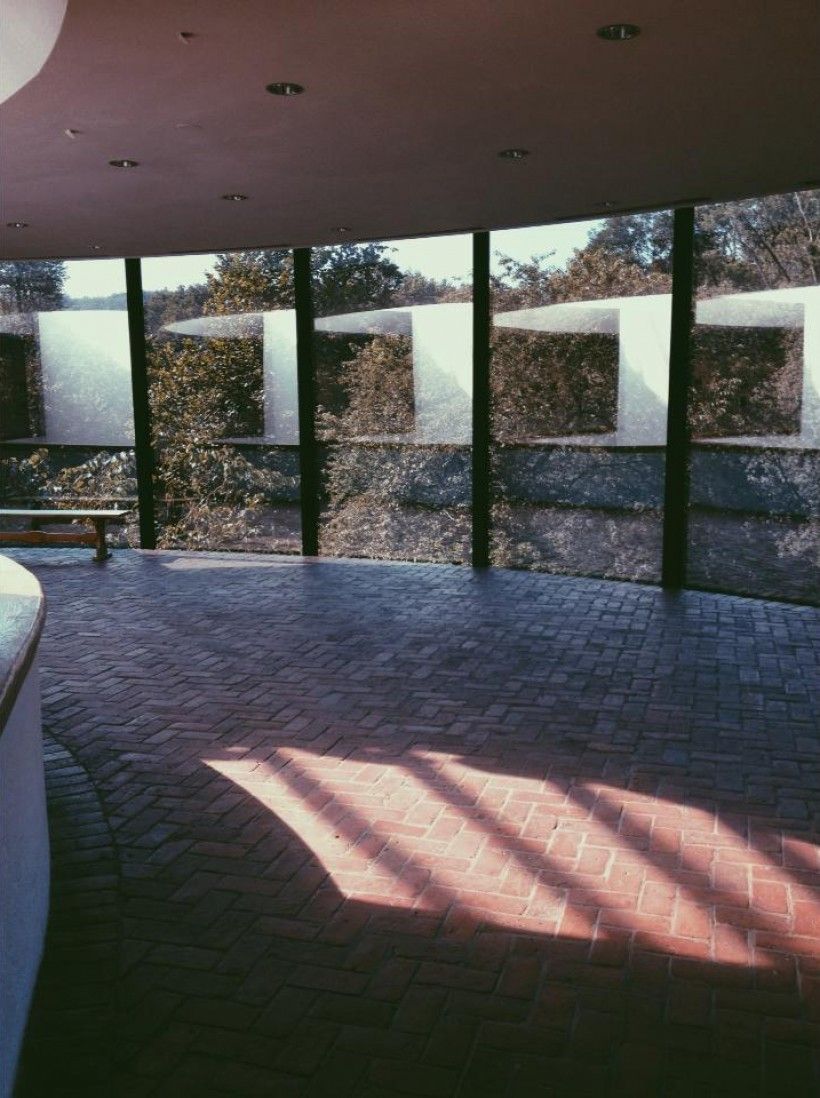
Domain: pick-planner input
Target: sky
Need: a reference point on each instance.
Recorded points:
(436, 257)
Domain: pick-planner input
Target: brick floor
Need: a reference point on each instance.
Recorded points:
(368, 829)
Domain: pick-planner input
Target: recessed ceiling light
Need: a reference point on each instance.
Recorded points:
(284, 87)
(185, 36)
(341, 229)
(514, 154)
(96, 247)
(123, 163)
(71, 133)
(618, 32)
(234, 197)
(17, 224)
(607, 205)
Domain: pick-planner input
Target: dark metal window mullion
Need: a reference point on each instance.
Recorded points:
(481, 401)
(676, 489)
(143, 448)
(308, 451)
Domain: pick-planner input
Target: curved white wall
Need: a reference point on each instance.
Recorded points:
(29, 30)
(24, 849)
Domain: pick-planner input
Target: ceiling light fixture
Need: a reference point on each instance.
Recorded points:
(17, 224)
(514, 154)
(618, 32)
(234, 197)
(341, 229)
(284, 87)
(123, 163)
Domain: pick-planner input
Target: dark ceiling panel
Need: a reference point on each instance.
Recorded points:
(406, 106)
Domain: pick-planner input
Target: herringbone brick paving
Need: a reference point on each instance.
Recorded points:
(379, 829)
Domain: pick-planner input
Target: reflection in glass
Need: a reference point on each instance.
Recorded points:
(579, 385)
(394, 400)
(66, 416)
(755, 406)
(222, 378)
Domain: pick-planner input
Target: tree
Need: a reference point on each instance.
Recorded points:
(760, 244)
(642, 240)
(596, 273)
(349, 277)
(31, 285)
(205, 391)
(746, 381)
(163, 307)
(378, 390)
(417, 289)
(251, 281)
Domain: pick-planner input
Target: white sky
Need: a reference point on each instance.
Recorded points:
(436, 257)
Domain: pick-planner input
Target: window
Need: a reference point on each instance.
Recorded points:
(221, 358)
(755, 404)
(66, 415)
(579, 387)
(394, 398)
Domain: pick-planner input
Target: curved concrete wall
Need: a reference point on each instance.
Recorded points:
(24, 850)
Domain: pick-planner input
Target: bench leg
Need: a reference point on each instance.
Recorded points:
(102, 550)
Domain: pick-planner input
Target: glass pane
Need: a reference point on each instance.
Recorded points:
(66, 416)
(394, 398)
(755, 406)
(221, 335)
(579, 384)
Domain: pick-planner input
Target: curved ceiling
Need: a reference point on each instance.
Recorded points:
(407, 104)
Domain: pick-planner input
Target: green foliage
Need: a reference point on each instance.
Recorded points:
(608, 266)
(375, 525)
(110, 302)
(31, 285)
(102, 478)
(349, 277)
(417, 289)
(213, 474)
(251, 281)
(163, 307)
(760, 244)
(745, 381)
(378, 381)
(204, 391)
(544, 385)
(639, 240)
(23, 478)
(595, 273)
(105, 479)
(201, 393)
(220, 491)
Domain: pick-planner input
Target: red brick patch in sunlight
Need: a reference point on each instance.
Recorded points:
(627, 873)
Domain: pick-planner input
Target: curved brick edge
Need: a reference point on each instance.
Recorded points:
(69, 1041)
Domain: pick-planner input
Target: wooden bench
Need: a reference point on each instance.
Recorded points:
(35, 536)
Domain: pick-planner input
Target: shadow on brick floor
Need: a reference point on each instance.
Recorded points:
(406, 830)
